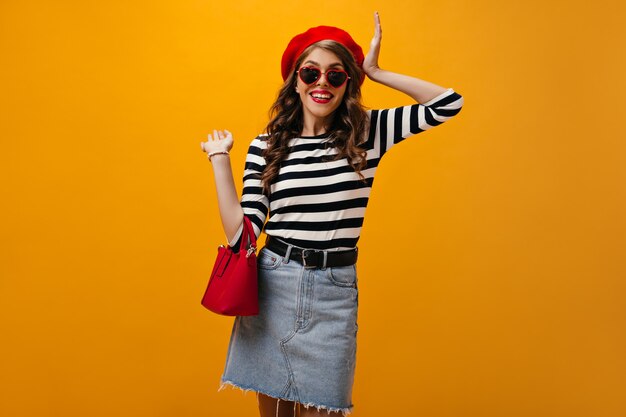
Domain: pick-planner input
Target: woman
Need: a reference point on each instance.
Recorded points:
(313, 171)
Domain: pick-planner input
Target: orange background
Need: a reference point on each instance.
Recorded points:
(492, 268)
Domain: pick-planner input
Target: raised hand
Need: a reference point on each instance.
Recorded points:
(220, 141)
(370, 63)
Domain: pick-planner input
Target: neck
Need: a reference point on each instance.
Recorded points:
(315, 126)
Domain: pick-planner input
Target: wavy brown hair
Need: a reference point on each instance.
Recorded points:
(348, 126)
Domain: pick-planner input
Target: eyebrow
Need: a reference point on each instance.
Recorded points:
(336, 64)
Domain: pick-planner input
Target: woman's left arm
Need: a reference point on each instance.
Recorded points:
(420, 90)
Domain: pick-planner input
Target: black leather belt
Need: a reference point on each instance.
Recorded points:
(313, 258)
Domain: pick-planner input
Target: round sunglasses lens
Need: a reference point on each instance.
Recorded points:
(309, 75)
(336, 78)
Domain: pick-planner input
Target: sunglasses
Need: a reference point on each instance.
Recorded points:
(335, 77)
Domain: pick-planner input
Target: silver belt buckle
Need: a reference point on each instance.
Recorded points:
(304, 251)
(324, 262)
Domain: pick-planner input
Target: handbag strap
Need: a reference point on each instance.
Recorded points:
(247, 234)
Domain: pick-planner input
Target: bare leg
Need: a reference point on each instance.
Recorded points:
(271, 407)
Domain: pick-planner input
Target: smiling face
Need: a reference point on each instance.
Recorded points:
(320, 99)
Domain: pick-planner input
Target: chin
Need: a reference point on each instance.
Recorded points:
(323, 114)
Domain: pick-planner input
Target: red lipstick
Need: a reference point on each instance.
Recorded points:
(321, 96)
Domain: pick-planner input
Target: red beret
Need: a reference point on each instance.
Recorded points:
(300, 42)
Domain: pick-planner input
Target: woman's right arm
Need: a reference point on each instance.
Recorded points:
(230, 208)
(231, 212)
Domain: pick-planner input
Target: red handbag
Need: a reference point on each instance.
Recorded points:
(233, 286)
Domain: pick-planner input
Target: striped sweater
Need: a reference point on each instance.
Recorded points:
(321, 205)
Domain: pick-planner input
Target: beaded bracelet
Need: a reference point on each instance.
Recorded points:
(217, 153)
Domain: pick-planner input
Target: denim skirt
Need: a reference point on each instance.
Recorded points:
(302, 345)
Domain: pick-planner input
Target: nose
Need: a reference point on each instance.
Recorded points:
(322, 80)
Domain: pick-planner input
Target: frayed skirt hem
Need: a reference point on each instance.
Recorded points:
(345, 411)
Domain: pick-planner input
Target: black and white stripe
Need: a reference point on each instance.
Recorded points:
(321, 205)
